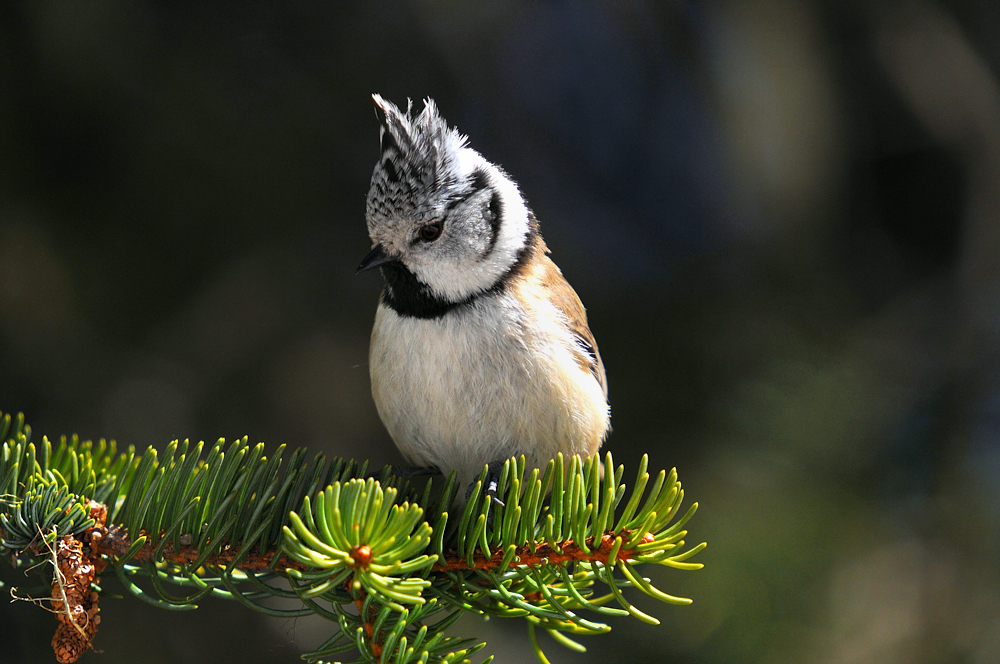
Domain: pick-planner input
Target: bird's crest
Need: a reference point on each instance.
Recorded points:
(422, 149)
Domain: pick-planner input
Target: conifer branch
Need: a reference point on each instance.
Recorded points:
(391, 565)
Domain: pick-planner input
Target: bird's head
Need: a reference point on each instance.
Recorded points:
(445, 223)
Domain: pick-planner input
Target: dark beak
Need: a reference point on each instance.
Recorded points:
(374, 259)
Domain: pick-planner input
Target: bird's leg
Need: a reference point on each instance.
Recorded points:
(492, 482)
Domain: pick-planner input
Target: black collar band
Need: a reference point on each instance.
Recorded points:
(408, 297)
(411, 298)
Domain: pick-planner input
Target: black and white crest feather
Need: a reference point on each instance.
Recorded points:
(427, 175)
(419, 154)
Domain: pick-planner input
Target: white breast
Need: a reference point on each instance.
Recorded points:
(483, 383)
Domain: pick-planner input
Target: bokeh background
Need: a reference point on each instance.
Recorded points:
(782, 216)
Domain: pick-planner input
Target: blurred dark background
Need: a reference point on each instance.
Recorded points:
(782, 216)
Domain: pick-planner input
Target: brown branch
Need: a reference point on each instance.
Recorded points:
(568, 551)
(77, 569)
(115, 542)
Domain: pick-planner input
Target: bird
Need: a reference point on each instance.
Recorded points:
(480, 350)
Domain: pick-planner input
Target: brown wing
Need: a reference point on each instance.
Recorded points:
(562, 295)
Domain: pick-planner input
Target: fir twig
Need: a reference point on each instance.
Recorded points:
(390, 565)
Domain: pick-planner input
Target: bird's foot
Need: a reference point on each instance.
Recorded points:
(492, 482)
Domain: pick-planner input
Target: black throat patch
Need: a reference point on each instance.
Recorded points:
(407, 296)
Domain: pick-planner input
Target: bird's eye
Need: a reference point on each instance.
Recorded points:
(431, 232)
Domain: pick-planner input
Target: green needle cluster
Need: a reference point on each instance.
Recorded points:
(357, 532)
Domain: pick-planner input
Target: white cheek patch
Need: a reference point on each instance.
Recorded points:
(457, 277)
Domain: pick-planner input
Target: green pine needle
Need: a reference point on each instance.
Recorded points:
(392, 567)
